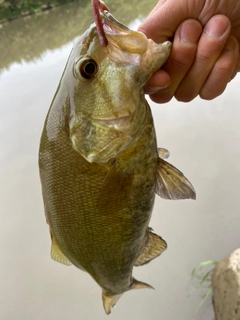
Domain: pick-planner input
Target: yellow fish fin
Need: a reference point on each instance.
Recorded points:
(118, 183)
(56, 253)
(163, 153)
(140, 285)
(171, 183)
(154, 247)
(109, 301)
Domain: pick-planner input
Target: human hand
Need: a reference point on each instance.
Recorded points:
(205, 54)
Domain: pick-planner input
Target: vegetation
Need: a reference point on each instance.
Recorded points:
(201, 274)
(11, 9)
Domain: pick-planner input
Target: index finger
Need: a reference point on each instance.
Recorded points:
(163, 20)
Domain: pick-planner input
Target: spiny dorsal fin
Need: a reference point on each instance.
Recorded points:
(154, 247)
(56, 253)
(109, 301)
(171, 183)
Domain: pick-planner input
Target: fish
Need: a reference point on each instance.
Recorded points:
(99, 163)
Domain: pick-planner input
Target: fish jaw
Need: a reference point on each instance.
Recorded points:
(127, 46)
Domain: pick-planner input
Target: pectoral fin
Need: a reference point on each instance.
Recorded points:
(154, 247)
(56, 253)
(171, 183)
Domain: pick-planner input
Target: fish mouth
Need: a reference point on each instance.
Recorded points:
(120, 36)
(108, 21)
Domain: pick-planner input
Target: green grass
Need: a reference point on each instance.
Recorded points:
(201, 275)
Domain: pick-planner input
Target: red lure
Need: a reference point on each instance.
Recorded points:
(97, 6)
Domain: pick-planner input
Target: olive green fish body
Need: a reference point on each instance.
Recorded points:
(99, 163)
(99, 233)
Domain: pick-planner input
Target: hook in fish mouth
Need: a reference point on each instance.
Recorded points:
(97, 6)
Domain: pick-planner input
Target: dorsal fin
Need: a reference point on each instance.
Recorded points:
(56, 252)
(154, 247)
(171, 183)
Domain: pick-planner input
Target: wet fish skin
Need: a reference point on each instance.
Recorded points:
(99, 160)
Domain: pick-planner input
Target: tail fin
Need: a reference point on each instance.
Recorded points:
(110, 301)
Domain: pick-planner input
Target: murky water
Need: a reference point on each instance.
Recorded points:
(204, 141)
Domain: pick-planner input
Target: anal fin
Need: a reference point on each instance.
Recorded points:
(56, 252)
(140, 285)
(154, 247)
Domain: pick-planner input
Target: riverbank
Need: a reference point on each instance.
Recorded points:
(14, 9)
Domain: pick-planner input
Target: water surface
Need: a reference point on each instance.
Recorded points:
(204, 141)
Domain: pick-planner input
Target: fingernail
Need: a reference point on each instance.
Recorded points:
(190, 31)
(216, 27)
(151, 90)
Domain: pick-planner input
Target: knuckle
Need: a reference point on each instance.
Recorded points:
(202, 58)
(183, 60)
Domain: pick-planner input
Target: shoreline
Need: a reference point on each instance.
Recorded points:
(24, 14)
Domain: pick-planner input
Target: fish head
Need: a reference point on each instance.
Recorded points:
(107, 105)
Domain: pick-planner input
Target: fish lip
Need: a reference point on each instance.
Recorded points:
(109, 21)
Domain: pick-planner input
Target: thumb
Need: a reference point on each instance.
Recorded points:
(162, 22)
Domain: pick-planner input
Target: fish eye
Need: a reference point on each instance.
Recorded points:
(88, 69)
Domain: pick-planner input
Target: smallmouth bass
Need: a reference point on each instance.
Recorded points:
(99, 163)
